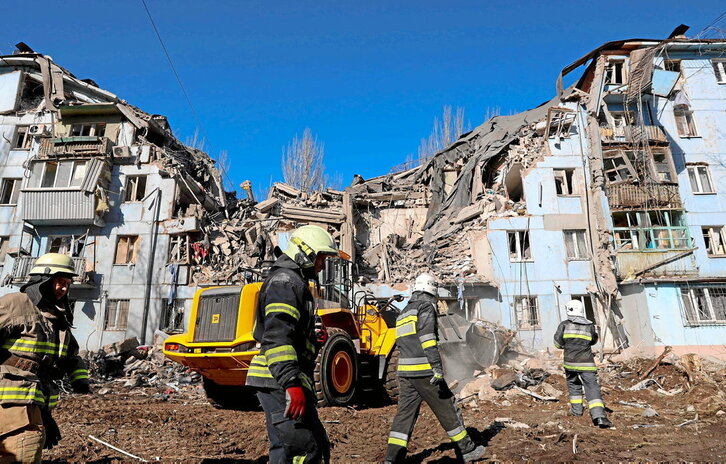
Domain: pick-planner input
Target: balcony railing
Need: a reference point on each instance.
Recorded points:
(59, 206)
(631, 134)
(23, 265)
(628, 196)
(75, 146)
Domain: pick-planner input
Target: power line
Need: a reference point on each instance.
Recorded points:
(181, 86)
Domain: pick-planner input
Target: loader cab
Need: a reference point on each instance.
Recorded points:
(336, 284)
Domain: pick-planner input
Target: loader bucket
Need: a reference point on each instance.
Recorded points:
(466, 346)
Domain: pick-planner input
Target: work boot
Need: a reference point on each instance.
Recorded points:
(475, 454)
(603, 422)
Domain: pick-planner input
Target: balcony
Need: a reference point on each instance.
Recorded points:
(68, 207)
(23, 265)
(75, 146)
(636, 196)
(630, 134)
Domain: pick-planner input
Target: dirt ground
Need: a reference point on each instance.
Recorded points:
(184, 428)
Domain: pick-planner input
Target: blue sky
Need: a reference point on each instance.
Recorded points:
(367, 77)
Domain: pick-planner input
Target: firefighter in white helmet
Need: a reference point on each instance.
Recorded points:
(282, 373)
(421, 376)
(37, 349)
(576, 335)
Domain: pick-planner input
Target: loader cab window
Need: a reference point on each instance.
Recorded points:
(336, 284)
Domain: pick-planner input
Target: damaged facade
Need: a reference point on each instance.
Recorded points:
(611, 193)
(84, 173)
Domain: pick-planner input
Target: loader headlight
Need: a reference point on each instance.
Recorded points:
(171, 347)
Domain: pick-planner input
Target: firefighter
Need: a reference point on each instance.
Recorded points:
(282, 373)
(576, 335)
(37, 349)
(421, 376)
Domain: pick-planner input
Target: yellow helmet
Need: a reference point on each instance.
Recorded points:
(307, 242)
(53, 263)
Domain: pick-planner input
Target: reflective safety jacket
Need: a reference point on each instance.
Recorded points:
(34, 353)
(285, 328)
(576, 335)
(417, 338)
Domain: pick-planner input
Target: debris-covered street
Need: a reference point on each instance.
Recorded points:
(157, 410)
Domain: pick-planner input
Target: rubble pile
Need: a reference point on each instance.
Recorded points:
(130, 365)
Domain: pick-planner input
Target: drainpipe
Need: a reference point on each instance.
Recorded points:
(154, 233)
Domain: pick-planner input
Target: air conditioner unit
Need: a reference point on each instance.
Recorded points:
(121, 152)
(39, 129)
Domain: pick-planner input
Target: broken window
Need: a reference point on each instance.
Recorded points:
(704, 304)
(526, 311)
(135, 188)
(58, 174)
(565, 182)
(719, 68)
(618, 166)
(172, 316)
(66, 244)
(519, 249)
(713, 237)
(685, 123)
(513, 182)
(662, 166)
(615, 72)
(559, 122)
(179, 248)
(127, 249)
(9, 191)
(23, 140)
(4, 242)
(656, 230)
(97, 129)
(575, 244)
(117, 314)
(622, 121)
(672, 65)
(700, 178)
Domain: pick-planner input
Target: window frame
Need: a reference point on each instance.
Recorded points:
(532, 302)
(714, 233)
(117, 324)
(567, 179)
(580, 255)
(720, 74)
(131, 188)
(610, 71)
(694, 168)
(177, 306)
(689, 122)
(520, 258)
(14, 193)
(129, 260)
(185, 242)
(92, 129)
(27, 138)
(690, 301)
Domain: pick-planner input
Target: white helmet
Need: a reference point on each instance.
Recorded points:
(575, 308)
(426, 283)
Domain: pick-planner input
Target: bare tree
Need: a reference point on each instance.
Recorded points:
(302, 162)
(445, 132)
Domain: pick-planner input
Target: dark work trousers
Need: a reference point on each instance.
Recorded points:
(293, 441)
(443, 404)
(576, 380)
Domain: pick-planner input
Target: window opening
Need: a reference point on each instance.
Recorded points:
(519, 249)
(117, 314)
(527, 312)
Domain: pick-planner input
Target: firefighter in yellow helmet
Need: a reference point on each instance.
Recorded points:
(282, 373)
(36, 350)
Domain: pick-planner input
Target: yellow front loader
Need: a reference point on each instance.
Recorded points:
(357, 362)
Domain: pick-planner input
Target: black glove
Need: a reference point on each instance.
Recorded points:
(52, 432)
(84, 388)
(438, 378)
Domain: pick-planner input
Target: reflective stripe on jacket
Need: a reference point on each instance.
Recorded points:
(417, 338)
(285, 328)
(25, 332)
(576, 336)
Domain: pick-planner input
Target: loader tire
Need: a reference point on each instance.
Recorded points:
(235, 397)
(390, 379)
(336, 370)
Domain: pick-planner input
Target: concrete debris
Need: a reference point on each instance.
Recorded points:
(649, 412)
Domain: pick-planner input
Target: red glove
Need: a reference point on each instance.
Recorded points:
(295, 407)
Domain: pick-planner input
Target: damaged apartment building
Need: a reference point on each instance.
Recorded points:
(610, 193)
(84, 173)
